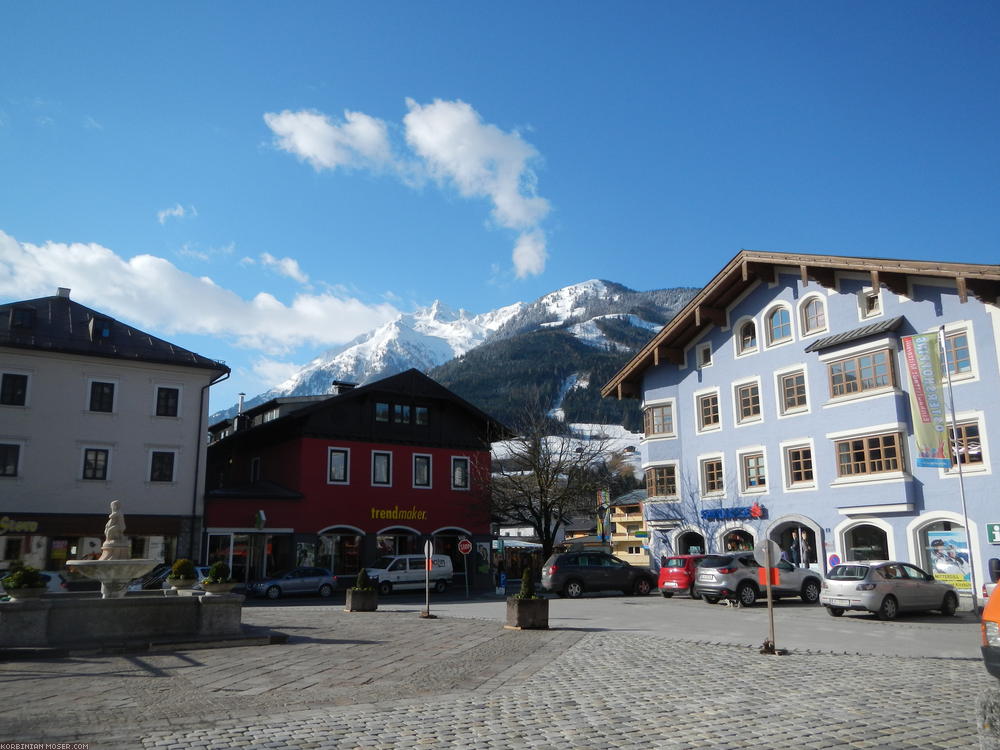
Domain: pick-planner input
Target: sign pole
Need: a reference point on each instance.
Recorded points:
(428, 551)
(770, 601)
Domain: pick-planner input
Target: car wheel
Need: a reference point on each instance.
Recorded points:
(325, 590)
(573, 589)
(889, 609)
(949, 605)
(747, 594)
(667, 594)
(710, 599)
(835, 611)
(810, 591)
(440, 586)
(385, 587)
(642, 587)
(693, 594)
(273, 592)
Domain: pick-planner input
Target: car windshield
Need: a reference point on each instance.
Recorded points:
(382, 562)
(676, 562)
(715, 561)
(848, 572)
(280, 573)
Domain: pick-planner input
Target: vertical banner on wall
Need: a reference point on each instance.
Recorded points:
(930, 427)
(603, 514)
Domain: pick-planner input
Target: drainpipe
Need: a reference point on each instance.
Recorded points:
(197, 461)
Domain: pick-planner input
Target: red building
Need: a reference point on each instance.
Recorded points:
(338, 480)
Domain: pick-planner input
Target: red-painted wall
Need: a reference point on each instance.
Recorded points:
(301, 465)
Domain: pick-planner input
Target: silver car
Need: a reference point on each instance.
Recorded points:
(301, 580)
(735, 576)
(885, 588)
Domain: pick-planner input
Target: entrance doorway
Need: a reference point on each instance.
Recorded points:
(690, 543)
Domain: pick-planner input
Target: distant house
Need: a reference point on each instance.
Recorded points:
(94, 410)
(777, 405)
(338, 480)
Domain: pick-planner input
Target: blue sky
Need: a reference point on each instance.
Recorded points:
(260, 182)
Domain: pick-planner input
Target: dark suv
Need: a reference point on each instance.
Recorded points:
(735, 576)
(572, 573)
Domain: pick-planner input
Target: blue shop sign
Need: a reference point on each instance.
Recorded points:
(725, 514)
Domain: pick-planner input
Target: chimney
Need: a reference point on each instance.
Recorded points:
(240, 421)
(240, 410)
(339, 386)
(62, 292)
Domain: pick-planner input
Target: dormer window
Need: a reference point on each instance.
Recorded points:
(705, 355)
(22, 317)
(870, 303)
(748, 337)
(100, 329)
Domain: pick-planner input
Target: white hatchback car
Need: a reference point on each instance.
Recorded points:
(885, 588)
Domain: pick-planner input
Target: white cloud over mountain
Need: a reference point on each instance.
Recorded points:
(153, 293)
(446, 141)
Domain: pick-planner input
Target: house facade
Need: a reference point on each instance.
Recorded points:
(777, 405)
(340, 480)
(93, 410)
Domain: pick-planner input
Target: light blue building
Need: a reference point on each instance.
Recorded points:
(777, 406)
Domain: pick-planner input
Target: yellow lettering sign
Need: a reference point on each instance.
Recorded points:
(399, 514)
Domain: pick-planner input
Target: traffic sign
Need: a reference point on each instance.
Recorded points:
(760, 552)
(464, 546)
(428, 548)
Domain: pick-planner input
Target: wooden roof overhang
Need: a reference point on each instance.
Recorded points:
(708, 307)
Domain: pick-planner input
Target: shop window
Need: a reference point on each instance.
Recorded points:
(737, 541)
(13, 389)
(658, 420)
(945, 550)
(381, 468)
(10, 455)
(661, 481)
(870, 454)
(459, 473)
(865, 372)
(167, 400)
(866, 542)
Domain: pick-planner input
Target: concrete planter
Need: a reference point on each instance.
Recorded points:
(215, 589)
(181, 583)
(361, 601)
(527, 614)
(26, 593)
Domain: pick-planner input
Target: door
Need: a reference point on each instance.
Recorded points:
(925, 595)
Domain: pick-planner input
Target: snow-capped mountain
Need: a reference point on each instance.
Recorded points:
(601, 315)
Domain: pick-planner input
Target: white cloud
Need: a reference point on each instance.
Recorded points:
(449, 142)
(154, 294)
(271, 372)
(358, 141)
(177, 212)
(285, 266)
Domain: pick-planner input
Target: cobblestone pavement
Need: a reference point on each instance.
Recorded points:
(394, 680)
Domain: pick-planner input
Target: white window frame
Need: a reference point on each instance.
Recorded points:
(702, 460)
(430, 471)
(786, 475)
(677, 479)
(742, 453)
(388, 482)
(884, 477)
(180, 396)
(870, 347)
(805, 332)
(780, 391)
(739, 351)
(971, 470)
(330, 450)
(149, 464)
(699, 356)
(96, 447)
(672, 403)
(698, 395)
(766, 321)
(468, 473)
(27, 387)
(863, 294)
(738, 420)
(114, 399)
(950, 329)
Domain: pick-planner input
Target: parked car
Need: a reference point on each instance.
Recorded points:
(572, 573)
(302, 580)
(991, 636)
(410, 572)
(154, 579)
(677, 575)
(735, 576)
(885, 588)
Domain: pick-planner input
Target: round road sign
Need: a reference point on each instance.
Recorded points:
(464, 546)
(760, 552)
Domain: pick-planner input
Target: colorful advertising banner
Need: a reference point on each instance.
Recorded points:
(603, 514)
(930, 426)
(948, 552)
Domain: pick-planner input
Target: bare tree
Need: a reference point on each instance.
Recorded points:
(541, 479)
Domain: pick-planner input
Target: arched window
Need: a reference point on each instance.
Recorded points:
(813, 315)
(748, 337)
(779, 325)
(865, 542)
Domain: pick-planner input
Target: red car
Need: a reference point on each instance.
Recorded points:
(677, 575)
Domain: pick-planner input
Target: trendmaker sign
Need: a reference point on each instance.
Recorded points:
(399, 514)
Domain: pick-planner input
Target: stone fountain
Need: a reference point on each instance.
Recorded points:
(115, 568)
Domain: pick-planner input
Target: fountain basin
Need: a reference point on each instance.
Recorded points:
(114, 575)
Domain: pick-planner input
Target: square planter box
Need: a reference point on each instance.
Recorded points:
(361, 601)
(527, 614)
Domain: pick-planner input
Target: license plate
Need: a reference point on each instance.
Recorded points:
(669, 584)
(706, 577)
(841, 602)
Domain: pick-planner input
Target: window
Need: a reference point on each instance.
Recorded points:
(800, 465)
(22, 317)
(754, 475)
(381, 412)
(873, 454)
(870, 303)
(100, 328)
(95, 463)
(747, 337)
(634, 550)
(102, 396)
(793, 392)
(459, 473)
(661, 481)
(956, 349)
(255, 469)
(9, 455)
(337, 466)
(711, 476)
(421, 471)
(422, 414)
(659, 420)
(708, 411)
(813, 315)
(779, 326)
(381, 468)
(161, 466)
(705, 355)
(967, 448)
(166, 401)
(865, 372)
(13, 389)
(748, 402)
(401, 413)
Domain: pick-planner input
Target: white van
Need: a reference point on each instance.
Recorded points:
(407, 572)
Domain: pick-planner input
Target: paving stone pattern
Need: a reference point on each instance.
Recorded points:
(394, 680)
